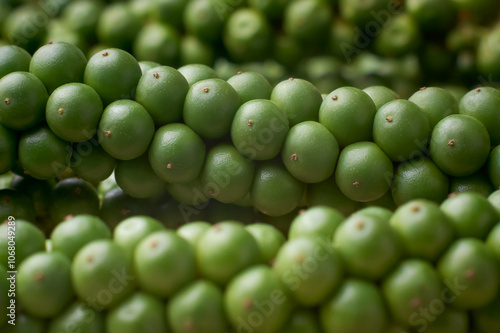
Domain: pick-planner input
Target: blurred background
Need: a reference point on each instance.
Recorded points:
(404, 45)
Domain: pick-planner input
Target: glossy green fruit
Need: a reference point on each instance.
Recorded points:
(274, 190)
(73, 111)
(424, 229)
(113, 73)
(102, 275)
(471, 213)
(369, 247)
(327, 193)
(58, 63)
(348, 113)
(140, 312)
(193, 231)
(89, 161)
(28, 240)
(125, 129)
(224, 250)
(78, 316)
(436, 102)
(210, 106)
(257, 299)
(197, 72)
(378, 212)
(73, 234)
(164, 262)
(199, 307)
(381, 95)
(227, 176)
(419, 179)
(316, 222)
(356, 307)
(162, 91)
(42, 154)
(476, 182)
(310, 152)
(22, 100)
(300, 100)
(136, 178)
(412, 285)
(44, 284)
(310, 270)
(131, 231)
(269, 240)
(482, 104)
(14, 59)
(364, 173)
(401, 130)
(176, 153)
(473, 269)
(459, 145)
(259, 129)
(250, 85)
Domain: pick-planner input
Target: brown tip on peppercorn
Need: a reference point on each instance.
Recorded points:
(451, 143)
(294, 157)
(389, 119)
(156, 75)
(423, 88)
(60, 111)
(335, 97)
(105, 54)
(205, 89)
(169, 166)
(355, 184)
(7, 101)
